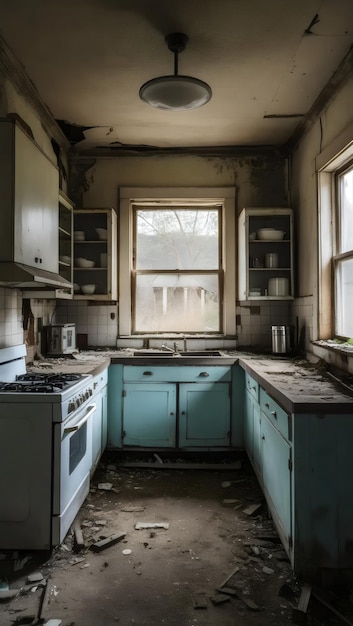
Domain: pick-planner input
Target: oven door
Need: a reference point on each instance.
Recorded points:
(71, 472)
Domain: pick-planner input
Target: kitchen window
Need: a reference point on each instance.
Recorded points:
(177, 261)
(177, 269)
(343, 259)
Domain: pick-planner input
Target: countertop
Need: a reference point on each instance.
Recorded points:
(297, 385)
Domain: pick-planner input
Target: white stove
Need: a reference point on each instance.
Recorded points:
(45, 452)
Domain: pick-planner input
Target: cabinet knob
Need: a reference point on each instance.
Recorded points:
(263, 437)
(183, 412)
(274, 414)
(147, 373)
(267, 405)
(204, 374)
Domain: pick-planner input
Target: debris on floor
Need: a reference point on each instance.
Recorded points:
(219, 563)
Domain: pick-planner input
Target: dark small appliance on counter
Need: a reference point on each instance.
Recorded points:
(59, 339)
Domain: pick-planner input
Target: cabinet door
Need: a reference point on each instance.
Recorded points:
(204, 414)
(276, 476)
(149, 414)
(36, 206)
(249, 425)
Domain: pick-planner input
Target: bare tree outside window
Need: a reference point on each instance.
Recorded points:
(177, 269)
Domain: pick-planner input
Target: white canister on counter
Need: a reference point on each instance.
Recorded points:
(271, 259)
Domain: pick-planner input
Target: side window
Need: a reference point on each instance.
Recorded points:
(343, 257)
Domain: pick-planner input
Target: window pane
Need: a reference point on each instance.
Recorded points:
(177, 303)
(344, 296)
(173, 239)
(346, 211)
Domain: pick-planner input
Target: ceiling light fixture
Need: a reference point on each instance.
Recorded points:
(176, 92)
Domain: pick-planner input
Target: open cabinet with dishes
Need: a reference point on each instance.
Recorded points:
(95, 254)
(265, 249)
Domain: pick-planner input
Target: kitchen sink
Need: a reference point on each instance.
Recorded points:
(172, 355)
(201, 353)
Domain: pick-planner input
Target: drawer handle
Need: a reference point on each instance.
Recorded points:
(204, 374)
(274, 413)
(267, 405)
(147, 373)
(254, 388)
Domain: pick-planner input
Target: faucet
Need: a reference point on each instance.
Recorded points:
(165, 347)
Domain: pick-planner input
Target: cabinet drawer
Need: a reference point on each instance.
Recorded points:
(204, 373)
(252, 386)
(274, 413)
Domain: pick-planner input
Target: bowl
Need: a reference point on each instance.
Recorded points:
(65, 259)
(82, 262)
(270, 234)
(79, 235)
(88, 289)
(102, 233)
(252, 236)
(76, 288)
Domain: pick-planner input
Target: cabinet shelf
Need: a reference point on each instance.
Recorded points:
(102, 251)
(252, 270)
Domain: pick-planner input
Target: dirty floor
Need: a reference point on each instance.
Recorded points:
(213, 559)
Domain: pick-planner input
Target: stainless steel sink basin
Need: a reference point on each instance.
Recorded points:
(173, 355)
(201, 353)
(154, 354)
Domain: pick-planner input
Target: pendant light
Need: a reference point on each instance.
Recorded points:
(176, 92)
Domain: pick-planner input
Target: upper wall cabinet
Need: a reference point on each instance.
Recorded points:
(95, 254)
(29, 184)
(265, 262)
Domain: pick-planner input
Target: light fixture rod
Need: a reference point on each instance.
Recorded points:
(176, 63)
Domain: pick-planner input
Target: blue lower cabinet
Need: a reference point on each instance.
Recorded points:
(276, 476)
(149, 415)
(204, 414)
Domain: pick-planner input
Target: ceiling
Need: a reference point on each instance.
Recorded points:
(266, 62)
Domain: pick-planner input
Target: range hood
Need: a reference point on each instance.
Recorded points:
(17, 275)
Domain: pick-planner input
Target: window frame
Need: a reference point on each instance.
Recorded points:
(158, 196)
(334, 158)
(338, 257)
(135, 272)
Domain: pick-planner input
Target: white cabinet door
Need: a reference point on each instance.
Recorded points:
(36, 181)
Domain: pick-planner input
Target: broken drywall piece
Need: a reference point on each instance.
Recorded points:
(252, 509)
(148, 525)
(220, 599)
(98, 546)
(36, 577)
(105, 486)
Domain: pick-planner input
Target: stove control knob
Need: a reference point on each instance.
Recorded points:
(71, 406)
(78, 402)
(90, 391)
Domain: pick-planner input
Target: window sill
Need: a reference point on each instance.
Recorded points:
(338, 355)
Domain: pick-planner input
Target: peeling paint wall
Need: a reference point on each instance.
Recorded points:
(260, 180)
(304, 194)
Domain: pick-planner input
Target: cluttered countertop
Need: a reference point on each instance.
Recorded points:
(296, 384)
(299, 386)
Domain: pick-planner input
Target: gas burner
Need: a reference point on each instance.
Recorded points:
(29, 387)
(40, 388)
(59, 381)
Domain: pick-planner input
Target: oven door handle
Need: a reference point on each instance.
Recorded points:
(71, 429)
